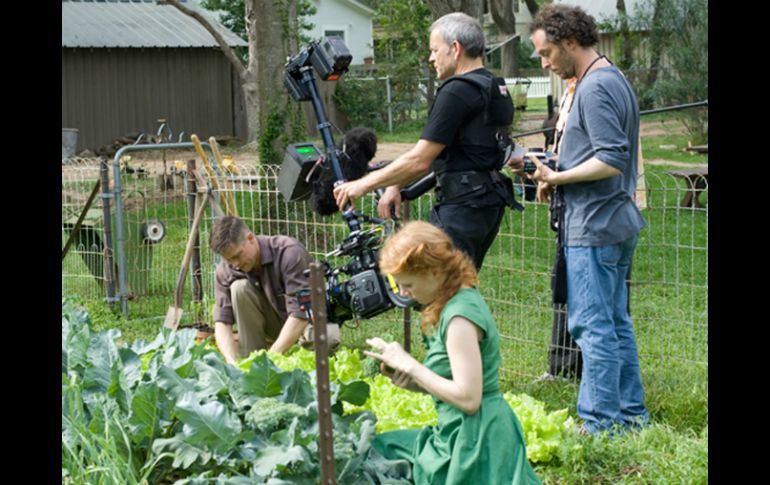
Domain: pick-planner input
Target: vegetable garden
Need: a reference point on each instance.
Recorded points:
(144, 405)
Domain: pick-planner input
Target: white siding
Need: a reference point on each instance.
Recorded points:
(356, 23)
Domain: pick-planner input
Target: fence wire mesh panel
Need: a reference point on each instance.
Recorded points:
(669, 280)
(83, 266)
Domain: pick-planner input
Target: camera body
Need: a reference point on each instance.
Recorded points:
(329, 57)
(543, 157)
(357, 289)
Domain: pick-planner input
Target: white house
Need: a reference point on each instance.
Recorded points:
(348, 19)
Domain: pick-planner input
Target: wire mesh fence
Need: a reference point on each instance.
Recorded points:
(669, 280)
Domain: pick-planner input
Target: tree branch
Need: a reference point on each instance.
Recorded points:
(502, 14)
(226, 49)
(532, 6)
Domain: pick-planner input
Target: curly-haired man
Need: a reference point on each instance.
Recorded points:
(597, 176)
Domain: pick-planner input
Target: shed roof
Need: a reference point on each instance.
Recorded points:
(131, 24)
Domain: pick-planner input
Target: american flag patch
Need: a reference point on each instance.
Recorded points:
(503, 90)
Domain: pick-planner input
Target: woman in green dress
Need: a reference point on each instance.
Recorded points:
(478, 439)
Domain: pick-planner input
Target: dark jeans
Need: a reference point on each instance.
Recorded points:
(472, 229)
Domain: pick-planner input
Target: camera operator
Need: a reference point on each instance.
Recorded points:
(471, 194)
(256, 283)
(601, 222)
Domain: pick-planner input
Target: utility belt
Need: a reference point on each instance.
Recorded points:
(477, 188)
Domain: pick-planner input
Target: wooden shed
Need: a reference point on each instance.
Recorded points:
(126, 64)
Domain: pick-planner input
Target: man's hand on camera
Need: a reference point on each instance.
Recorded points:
(390, 203)
(542, 173)
(349, 192)
(516, 164)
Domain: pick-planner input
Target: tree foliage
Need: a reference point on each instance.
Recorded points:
(671, 68)
(681, 34)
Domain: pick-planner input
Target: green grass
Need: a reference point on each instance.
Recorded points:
(657, 454)
(537, 105)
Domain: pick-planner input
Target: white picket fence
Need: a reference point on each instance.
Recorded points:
(540, 87)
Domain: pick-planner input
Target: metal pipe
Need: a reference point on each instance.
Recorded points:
(675, 107)
(109, 265)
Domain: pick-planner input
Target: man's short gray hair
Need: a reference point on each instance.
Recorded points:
(464, 29)
(227, 231)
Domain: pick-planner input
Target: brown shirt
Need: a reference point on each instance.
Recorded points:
(283, 260)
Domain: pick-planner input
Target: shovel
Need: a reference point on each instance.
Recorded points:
(174, 313)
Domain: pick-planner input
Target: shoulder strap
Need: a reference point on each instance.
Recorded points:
(498, 105)
(474, 78)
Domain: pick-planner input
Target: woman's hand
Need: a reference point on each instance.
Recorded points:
(392, 355)
(399, 379)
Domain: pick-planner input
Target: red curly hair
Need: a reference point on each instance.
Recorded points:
(422, 248)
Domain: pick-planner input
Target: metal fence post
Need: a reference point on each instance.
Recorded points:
(121, 233)
(109, 265)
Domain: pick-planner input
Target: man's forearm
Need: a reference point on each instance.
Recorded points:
(404, 169)
(223, 333)
(289, 335)
(588, 171)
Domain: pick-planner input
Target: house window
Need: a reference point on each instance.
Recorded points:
(335, 33)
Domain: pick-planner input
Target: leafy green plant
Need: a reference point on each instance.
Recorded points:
(172, 410)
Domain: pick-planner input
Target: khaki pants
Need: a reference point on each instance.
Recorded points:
(259, 324)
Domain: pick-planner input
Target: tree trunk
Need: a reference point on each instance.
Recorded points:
(251, 104)
(502, 14)
(532, 6)
(268, 50)
(261, 79)
(626, 54)
(656, 48)
(509, 61)
(474, 8)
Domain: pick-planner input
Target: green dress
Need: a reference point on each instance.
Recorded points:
(484, 449)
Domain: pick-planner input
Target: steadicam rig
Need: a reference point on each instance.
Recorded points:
(356, 289)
